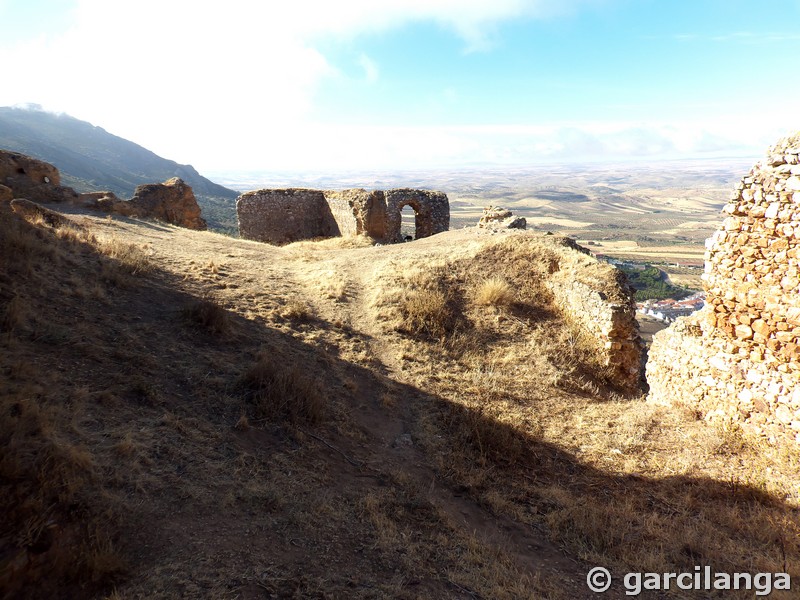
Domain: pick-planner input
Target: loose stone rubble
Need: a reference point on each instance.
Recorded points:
(496, 217)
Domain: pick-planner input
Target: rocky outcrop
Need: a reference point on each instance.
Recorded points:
(738, 360)
(288, 215)
(98, 199)
(15, 166)
(32, 211)
(496, 217)
(33, 179)
(172, 202)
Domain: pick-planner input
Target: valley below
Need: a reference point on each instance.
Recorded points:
(647, 212)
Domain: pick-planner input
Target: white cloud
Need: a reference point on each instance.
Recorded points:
(195, 79)
(744, 37)
(232, 84)
(395, 147)
(371, 71)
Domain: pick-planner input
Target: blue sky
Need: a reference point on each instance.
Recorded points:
(412, 84)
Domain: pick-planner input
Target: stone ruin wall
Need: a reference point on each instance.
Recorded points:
(32, 180)
(285, 216)
(737, 360)
(612, 324)
(432, 210)
(358, 212)
(29, 171)
(341, 209)
(301, 215)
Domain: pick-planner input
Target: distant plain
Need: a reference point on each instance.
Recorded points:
(648, 212)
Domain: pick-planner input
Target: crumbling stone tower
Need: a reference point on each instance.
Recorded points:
(738, 359)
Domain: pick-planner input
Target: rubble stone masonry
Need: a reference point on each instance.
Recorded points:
(612, 325)
(738, 359)
(289, 215)
(283, 216)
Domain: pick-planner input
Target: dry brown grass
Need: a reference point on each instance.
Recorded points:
(426, 312)
(297, 310)
(58, 531)
(529, 427)
(494, 291)
(332, 285)
(132, 258)
(334, 243)
(209, 315)
(281, 392)
(13, 315)
(514, 447)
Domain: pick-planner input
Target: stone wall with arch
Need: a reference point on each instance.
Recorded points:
(282, 216)
(431, 210)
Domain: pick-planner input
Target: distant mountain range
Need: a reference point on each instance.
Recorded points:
(91, 159)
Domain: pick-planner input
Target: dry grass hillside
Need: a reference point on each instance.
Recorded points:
(186, 415)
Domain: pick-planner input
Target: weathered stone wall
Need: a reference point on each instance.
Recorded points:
(693, 367)
(33, 179)
(752, 277)
(284, 216)
(342, 206)
(432, 211)
(370, 211)
(15, 166)
(357, 211)
(172, 202)
(743, 349)
(611, 325)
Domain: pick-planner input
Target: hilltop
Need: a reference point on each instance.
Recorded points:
(190, 415)
(91, 159)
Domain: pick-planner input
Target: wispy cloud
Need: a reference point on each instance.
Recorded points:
(745, 37)
(371, 71)
(258, 63)
(523, 144)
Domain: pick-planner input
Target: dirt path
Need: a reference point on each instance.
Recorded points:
(392, 429)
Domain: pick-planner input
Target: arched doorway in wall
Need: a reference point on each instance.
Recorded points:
(408, 222)
(418, 219)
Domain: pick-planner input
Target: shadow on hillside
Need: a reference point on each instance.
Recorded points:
(145, 366)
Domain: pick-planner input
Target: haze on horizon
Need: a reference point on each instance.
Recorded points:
(412, 84)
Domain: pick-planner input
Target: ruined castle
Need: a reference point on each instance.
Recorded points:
(24, 177)
(290, 215)
(738, 359)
